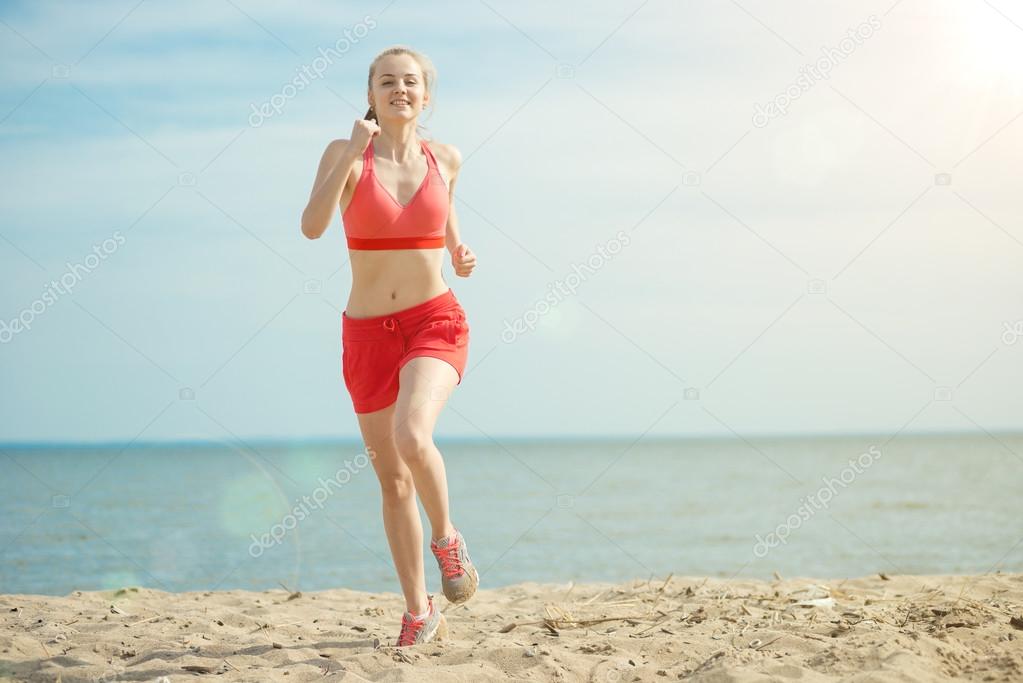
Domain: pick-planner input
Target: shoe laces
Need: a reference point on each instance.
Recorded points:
(450, 562)
(410, 627)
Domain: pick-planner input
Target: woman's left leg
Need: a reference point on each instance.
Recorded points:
(425, 383)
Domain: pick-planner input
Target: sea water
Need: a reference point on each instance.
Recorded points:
(308, 516)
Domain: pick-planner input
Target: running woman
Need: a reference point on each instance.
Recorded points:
(404, 335)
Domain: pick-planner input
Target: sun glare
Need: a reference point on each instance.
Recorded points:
(991, 49)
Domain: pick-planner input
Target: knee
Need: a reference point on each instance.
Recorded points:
(397, 488)
(414, 445)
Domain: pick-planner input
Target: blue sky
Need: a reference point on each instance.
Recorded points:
(855, 264)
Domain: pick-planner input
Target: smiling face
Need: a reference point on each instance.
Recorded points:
(398, 90)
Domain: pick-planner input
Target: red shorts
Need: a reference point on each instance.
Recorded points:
(376, 349)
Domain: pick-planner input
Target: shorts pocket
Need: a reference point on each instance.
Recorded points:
(460, 329)
(452, 328)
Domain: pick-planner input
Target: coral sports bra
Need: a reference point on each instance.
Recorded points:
(374, 219)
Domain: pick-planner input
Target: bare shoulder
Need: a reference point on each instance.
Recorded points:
(334, 151)
(447, 156)
(336, 147)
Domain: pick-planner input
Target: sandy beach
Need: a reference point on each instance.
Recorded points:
(898, 628)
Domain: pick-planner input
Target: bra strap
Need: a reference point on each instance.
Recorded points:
(367, 156)
(430, 159)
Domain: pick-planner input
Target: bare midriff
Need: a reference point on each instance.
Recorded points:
(386, 281)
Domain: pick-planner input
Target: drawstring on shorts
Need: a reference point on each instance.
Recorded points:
(391, 325)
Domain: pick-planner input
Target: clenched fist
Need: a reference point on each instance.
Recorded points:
(463, 260)
(363, 131)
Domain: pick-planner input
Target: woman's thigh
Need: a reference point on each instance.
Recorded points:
(379, 435)
(425, 385)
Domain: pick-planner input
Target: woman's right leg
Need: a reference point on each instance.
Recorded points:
(402, 523)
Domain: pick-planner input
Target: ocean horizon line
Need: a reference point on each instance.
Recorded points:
(518, 438)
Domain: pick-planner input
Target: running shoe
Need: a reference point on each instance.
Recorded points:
(414, 631)
(458, 575)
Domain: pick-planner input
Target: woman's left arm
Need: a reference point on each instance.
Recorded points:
(463, 260)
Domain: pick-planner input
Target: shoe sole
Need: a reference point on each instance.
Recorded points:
(466, 590)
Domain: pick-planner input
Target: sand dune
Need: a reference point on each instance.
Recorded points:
(904, 628)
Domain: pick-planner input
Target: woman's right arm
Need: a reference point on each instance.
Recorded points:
(331, 178)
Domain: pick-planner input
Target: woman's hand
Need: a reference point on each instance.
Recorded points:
(463, 260)
(362, 132)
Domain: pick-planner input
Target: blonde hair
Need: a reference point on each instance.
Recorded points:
(425, 65)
